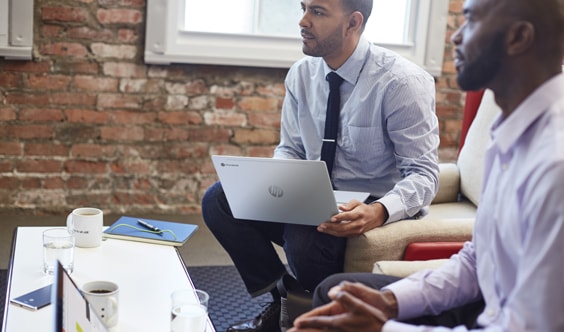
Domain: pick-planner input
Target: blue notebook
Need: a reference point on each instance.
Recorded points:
(149, 230)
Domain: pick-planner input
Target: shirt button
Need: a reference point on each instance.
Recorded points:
(490, 312)
(504, 167)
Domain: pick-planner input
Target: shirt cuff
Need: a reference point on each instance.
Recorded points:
(395, 326)
(395, 207)
(407, 295)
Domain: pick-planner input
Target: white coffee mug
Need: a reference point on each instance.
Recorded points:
(86, 225)
(103, 296)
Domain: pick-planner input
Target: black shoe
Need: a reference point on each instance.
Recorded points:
(266, 321)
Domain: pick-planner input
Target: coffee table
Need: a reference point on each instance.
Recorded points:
(146, 273)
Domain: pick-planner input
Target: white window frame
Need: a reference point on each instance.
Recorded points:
(16, 29)
(166, 42)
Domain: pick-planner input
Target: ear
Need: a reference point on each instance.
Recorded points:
(355, 21)
(520, 37)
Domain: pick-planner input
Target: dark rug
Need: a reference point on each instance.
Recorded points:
(229, 300)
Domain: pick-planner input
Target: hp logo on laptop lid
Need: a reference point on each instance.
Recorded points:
(275, 191)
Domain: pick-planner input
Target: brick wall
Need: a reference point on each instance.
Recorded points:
(87, 123)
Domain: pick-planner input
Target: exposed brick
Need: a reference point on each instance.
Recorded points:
(261, 151)
(122, 133)
(27, 66)
(48, 82)
(141, 85)
(29, 98)
(65, 49)
(10, 148)
(75, 67)
(209, 135)
(87, 116)
(41, 115)
(6, 166)
(9, 183)
(51, 31)
(38, 166)
(225, 118)
(258, 104)
(30, 182)
(85, 167)
(112, 16)
(166, 134)
(131, 167)
(93, 151)
(93, 83)
(256, 136)
(7, 113)
(72, 98)
(64, 14)
(176, 102)
(90, 34)
(133, 117)
(264, 119)
(53, 183)
(180, 118)
(116, 69)
(118, 101)
(127, 36)
(45, 149)
(27, 131)
(114, 51)
(224, 103)
(10, 80)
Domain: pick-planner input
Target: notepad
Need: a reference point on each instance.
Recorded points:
(170, 233)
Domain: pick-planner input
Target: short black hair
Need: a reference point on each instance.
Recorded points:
(362, 6)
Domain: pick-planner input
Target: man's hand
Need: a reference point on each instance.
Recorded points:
(350, 310)
(355, 219)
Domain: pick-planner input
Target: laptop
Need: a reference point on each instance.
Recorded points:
(72, 310)
(280, 190)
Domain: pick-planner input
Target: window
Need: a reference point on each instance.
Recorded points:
(16, 29)
(265, 33)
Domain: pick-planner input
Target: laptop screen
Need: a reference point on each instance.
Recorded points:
(72, 310)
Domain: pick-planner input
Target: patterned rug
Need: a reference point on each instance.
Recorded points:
(229, 300)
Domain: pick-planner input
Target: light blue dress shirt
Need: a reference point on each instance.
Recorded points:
(516, 258)
(388, 133)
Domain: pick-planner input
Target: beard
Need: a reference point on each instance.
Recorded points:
(477, 73)
(321, 48)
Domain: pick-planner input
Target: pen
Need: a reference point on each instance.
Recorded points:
(147, 225)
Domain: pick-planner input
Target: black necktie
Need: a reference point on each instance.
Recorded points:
(331, 120)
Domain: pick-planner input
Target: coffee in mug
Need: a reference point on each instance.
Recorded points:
(103, 296)
(86, 224)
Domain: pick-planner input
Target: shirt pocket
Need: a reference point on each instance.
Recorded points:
(365, 146)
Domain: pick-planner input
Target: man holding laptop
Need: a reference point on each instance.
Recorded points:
(385, 143)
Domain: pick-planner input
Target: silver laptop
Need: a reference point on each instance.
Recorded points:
(280, 190)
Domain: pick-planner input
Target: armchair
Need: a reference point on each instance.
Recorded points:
(450, 219)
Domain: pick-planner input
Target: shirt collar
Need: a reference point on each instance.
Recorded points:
(506, 132)
(350, 70)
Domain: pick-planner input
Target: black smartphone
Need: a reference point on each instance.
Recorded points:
(35, 299)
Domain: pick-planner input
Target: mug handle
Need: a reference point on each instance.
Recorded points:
(70, 225)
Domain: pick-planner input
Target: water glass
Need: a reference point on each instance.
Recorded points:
(58, 244)
(189, 310)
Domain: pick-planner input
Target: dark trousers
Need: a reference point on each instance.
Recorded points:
(312, 256)
(464, 315)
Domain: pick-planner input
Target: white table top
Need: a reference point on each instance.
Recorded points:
(146, 273)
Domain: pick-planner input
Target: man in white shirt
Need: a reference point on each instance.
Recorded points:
(509, 277)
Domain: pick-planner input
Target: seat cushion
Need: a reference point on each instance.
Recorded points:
(405, 268)
(471, 158)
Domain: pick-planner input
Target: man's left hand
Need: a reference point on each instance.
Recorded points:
(345, 313)
(356, 218)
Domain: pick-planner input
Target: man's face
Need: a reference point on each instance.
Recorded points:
(479, 45)
(323, 27)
